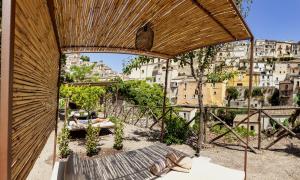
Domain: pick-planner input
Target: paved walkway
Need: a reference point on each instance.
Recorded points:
(43, 165)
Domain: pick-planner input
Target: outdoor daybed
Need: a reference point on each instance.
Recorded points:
(78, 125)
(135, 165)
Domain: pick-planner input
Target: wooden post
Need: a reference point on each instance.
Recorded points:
(205, 123)
(164, 103)
(50, 4)
(7, 61)
(249, 103)
(259, 130)
(105, 104)
(66, 110)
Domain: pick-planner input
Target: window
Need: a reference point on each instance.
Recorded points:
(252, 128)
(196, 92)
(143, 71)
(184, 115)
(185, 96)
(185, 86)
(286, 86)
(239, 84)
(298, 84)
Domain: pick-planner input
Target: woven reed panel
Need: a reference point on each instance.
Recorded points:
(35, 73)
(178, 25)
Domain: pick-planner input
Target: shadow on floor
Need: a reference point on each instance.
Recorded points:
(290, 150)
(82, 133)
(151, 136)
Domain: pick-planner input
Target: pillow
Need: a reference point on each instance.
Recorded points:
(180, 169)
(173, 157)
(185, 162)
(159, 167)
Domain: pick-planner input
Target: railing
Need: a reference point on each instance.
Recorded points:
(146, 118)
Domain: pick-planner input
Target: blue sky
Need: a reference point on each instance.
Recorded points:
(268, 19)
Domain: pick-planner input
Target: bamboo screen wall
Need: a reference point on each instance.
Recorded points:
(35, 72)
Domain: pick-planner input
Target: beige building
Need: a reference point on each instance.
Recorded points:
(213, 94)
(284, 49)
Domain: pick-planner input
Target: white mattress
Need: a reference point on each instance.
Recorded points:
(202, 168)
(73, 126)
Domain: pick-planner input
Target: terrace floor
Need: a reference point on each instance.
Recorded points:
(280, 163)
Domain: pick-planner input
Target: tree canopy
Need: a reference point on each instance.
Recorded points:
(87, 97)
(79, 73)
(231, 94)
(85, 58)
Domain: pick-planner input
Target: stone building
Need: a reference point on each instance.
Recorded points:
(286, 92)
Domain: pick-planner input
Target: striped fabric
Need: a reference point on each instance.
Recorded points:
(159, 167)
(133, 165)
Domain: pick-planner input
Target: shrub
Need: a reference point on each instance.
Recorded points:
(176, 131)
(242, 131)
(63, 141)
(119, 132)
(91, 140)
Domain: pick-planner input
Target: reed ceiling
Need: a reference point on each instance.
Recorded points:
(178, 25)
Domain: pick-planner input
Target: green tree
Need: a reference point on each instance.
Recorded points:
(79, 73)
(231, 94)
(274, 99)
(85, 58)
(119, 132)
(257, 92)
(63, 141)
(140, 93)
(87, 97)
(91, 139)
(136, 63)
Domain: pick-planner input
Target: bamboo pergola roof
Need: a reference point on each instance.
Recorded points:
(36, 32)
(179, 25)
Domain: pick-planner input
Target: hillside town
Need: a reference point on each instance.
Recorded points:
(276, 70)
(99, 71)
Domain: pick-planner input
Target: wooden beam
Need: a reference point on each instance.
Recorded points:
(7, 61)
(282, 126)
(280, 137)
(233, 132)
(249, 103)
(199, 5)
(50, 4)
(259, 130)
(218, 137)
(97, 49)
(164, 102)
(242, 19)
